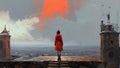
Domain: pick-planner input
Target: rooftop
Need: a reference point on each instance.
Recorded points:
(66, 58)
(5, 31)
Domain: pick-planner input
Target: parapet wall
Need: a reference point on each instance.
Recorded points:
(25, 64)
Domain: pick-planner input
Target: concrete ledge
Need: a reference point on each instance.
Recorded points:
(66, 58)
(47, 61)
(28, 64)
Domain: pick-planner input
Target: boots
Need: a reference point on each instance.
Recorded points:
(59, 57)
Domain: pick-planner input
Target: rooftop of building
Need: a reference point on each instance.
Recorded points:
(63, 58)
(5, 31)
(109, 27)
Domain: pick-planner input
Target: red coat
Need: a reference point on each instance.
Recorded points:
(58, 42)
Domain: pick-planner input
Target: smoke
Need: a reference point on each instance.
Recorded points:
(19, 29)
(51, 9)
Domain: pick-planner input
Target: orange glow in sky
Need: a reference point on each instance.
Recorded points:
(50, 9)
(54, 7)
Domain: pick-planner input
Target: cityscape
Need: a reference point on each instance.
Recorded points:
(28, 52)
(59, 34)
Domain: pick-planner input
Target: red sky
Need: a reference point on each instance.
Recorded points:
(51, 9)
(51, 6)
(54, 8)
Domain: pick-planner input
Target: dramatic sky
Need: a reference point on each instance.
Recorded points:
(36, 21)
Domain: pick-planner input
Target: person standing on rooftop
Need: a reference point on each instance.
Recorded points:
(58, 44)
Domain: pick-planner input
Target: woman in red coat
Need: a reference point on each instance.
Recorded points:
(58, 44)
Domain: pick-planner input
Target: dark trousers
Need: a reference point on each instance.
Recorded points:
(59, 55)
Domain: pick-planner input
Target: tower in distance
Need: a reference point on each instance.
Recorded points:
(4, 44)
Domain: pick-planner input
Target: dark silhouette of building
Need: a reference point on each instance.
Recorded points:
(4, 45)
(109, 44)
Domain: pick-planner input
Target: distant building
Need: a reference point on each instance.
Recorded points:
(4, 45)
(109, 44)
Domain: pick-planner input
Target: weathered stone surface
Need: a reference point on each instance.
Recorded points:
(66, 58)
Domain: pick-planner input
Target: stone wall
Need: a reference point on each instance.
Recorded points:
(45, 64)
